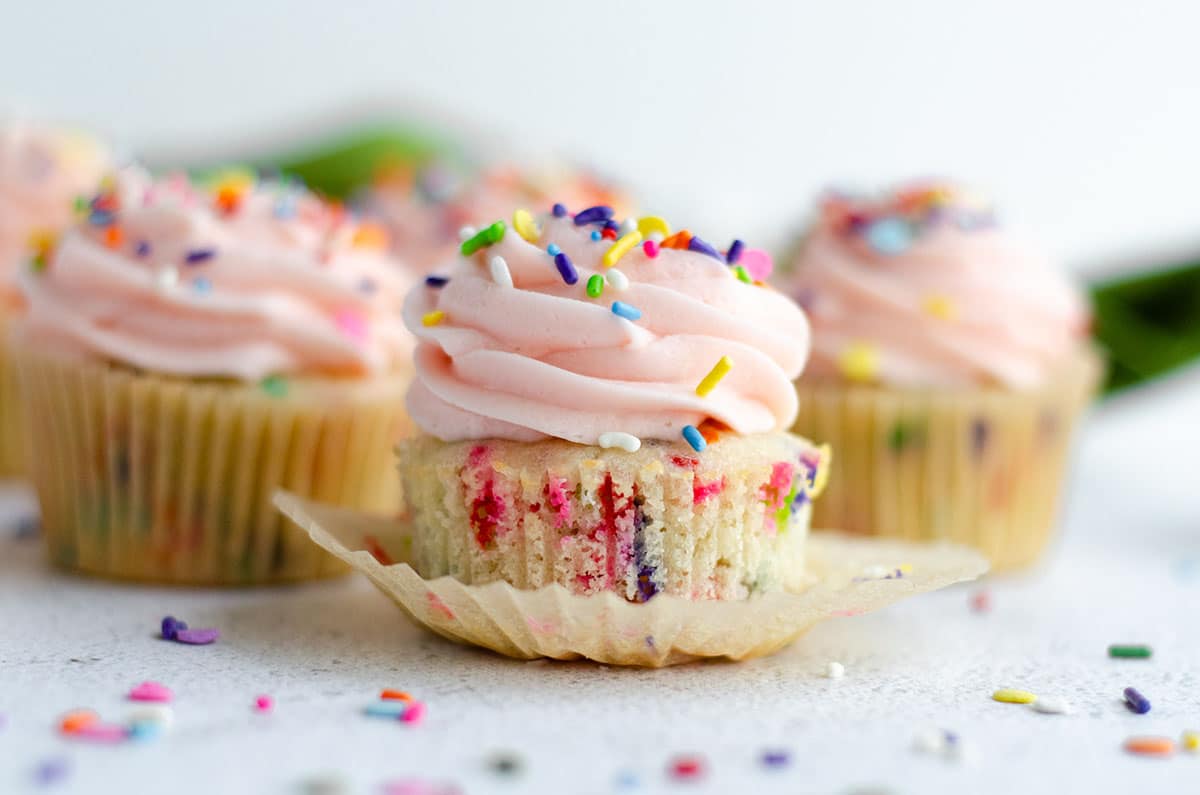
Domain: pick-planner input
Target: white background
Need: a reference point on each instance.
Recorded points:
(1081, 117)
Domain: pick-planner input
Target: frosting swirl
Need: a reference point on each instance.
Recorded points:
(238, 279)
(42, 172)
(921, 288)
(541, 358)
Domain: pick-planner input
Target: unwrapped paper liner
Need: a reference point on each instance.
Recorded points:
(848, 576)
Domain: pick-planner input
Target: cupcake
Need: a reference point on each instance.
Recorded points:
(43, 172)
(426, 208)
(190, 349)
(608, 414)
(950, 362)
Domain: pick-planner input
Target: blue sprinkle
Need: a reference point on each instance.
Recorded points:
(593, 215)
(171, 627)
(284, 208)
(143, 248)
(143, 730)
(694, 438)
(559, 210)
(626, 779)
(596, 234)
(566, 268)
(622, 309)
(889, 235)
(735, 252)
(611, 224)
(198, 255)
(699, 246)
(776, 758)
(101, 218)
(436, 282)
(201, 285)
(386, 709)
(553, 249)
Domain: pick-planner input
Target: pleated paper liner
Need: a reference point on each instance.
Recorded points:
(983, 467)
(153, 478)
(848, 576)
(12, 414)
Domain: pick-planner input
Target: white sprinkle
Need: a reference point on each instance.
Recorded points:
(466, 233)
(617, 280)
(835, 670)
(876, 572)
(657, 237)
(500, 273)
(1052, 705)
(166, 277)
(628, 225)
(626, 441)
(159, 714)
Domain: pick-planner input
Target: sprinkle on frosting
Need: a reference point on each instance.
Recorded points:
(859, 362)
(566, 268)
(625, 441)
(595, 285)
(620, 248)
(526, 227)
(433, 318)
(488, 236)
(622, 309)
(718, 372)
(651, 227)
(693, 437)
(593, 215)
(499, 270)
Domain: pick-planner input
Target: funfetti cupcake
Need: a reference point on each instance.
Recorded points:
(950, 362)
(44, 172)
(188, 350)
(427, 209)
(604, 406)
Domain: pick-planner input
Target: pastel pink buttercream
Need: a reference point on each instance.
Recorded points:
(274, 281)
(542, 359)
(964, 303)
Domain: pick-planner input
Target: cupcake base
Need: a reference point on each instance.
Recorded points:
(161, 479)
(982, 467)
(721, 524)
(12, 413)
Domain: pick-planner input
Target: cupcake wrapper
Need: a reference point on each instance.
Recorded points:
(160, 479)
(982, 468)
(12, 414)
(847, 576)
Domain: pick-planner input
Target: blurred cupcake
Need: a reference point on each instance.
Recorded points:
(425, 208)
(187, 351)
(607, 414)
(43, 174)
(950, 363)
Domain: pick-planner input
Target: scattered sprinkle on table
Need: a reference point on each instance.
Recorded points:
(1190, 741)
(776, 758)
(1009, 696)
(505, 763)
(151, 691)
(264, 704)
(1130, 651)
(1150, 746)
(981, 601)
(835, 670)
(414, 713)
(687, 767)
(51, 771)
(1136, 701)
(1052, 705)
(197, 637)
(388, 694)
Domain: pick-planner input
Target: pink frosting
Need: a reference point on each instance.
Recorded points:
(955, 301)
(244, 281)
(542, 359)
(42, 172)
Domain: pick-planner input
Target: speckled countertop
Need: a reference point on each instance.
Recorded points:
(1126, 569)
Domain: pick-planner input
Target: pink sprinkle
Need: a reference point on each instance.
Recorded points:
(151, 691)
(651, 249)
(414, 713)
(197, 637)
(701, 491)
(981, 601)
(757, 263)
(101, 733)
(264, 703)
(352, 324)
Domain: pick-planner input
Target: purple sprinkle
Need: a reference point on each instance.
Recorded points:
(197, 637)
(699, 246)
(1136, 701)
(566, 268)
(198, 255)
(143, 248)
(171, 627)
(437, 282)
(52, 770)
(776, 758)
(558, 210)
(611, 224)
(735, 252)
(593, 215)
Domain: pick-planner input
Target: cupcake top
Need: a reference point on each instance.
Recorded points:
(43, 172)
(921, 287)
(235, 279)
(424, 209)
(574, 327)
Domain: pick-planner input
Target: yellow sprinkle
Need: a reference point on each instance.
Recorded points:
(649, 224)
(710, 381)
(826, 455)
(42, 241)
(859, 362)
(1014, 696)
(940, 306)
(906, 568)
(525, 226)
(433, 318)
(620, 248)
(1191, 741)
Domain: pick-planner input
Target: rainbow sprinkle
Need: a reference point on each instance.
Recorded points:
(651, 226)
(566, 268)
(599, 214)
(524, 224)
(718, 372)
(700, 247)
(622, 309)
(498, 268)
(735, 252)
(488, 236)
(620, 248)
(693, 437)
(437, 282)
(433, 318)
(595, 285)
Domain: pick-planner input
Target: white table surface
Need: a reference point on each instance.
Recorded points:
(1127, 569)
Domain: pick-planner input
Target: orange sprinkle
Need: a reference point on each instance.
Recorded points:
(77, 721)
(113, 236)
(370, 235)
(229, 198)
(394, 695)
(680, 239)
(1150, 746)
(712, 429)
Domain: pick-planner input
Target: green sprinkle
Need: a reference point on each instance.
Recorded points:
(81, 204)
(743, 275)
(903, 436)
(275, 386)
(595, 285)
(488, 236)
(1130, 652)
